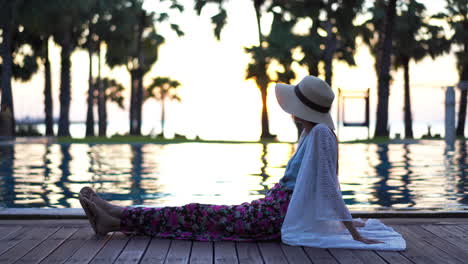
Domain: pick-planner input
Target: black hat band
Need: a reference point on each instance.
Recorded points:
(312, 105)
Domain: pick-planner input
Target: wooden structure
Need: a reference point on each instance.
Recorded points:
(429, 240)
(342, 96)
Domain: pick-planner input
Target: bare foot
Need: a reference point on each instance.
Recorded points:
(101, 221)
(89, 213)
(90, 194)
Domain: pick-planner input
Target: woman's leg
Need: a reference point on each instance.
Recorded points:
(256, 220)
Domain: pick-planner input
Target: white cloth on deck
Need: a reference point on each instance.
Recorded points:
(316, 209)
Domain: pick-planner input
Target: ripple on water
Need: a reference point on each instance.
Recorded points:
(395, 176)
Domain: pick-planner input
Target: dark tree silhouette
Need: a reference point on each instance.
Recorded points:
(385, 53)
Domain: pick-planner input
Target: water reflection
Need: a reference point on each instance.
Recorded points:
(263, 169)
(388, 191)
(462, 168)
(397, 176)
(7, 193)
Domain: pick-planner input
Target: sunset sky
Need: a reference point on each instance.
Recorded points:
(217, 101)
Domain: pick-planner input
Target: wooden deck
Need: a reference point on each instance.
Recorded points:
(72, 241)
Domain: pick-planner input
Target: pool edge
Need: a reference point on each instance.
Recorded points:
(78, 213)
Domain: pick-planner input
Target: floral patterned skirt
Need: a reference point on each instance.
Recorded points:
(259, 219)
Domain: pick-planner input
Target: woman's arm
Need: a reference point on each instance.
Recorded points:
(356, 236)
(350, 226)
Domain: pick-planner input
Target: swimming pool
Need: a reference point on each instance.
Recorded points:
(372, 176)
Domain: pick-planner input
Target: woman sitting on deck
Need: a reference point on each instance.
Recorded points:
(304, 208)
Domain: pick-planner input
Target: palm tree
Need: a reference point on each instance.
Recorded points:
(281, 41)
(414, 39)
(14, 37)
(135, 44)
(113, 92)
(90, 45)
(456, 15)
(163, 89)
(385, 52)
(98, 25)
(341, 33)
(7, 25)
(37, 25)
(68, 17)
(331, 35)
(257, 68)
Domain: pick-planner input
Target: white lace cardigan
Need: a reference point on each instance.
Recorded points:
(316, 210)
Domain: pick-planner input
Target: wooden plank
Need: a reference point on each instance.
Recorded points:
(225, 252)
(295, 254)
(441, 242)
(91, 247)
(248, 253)
(5, 231)
(422, 220)
(157, 251)
(179, 252)
(111, 250)
(70, 246)
(393, 256)
(440, 235)
(49, 222)
(345, 256)
(134, 250)
(465, 227)
(414, 247)
(271, 252)
(457, 231)
(202, 252)
(13, 238)
(85, 222)
(47, 246)
(319, 255)
(368, 256)
(419, 250)
(32, 239)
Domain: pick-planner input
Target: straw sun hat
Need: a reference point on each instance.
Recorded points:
(310, 99)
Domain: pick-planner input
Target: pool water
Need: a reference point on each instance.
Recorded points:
(372, 176)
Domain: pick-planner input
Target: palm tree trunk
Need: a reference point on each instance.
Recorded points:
(462, 114)
(262, 81)
(463, 98)
(381, 128)
(101, 99)
(163, 115)
(313, 68)
(48, 103)
(257, 5)
(265, 123)
(137, 93)
(133, 88)
(407, 108)
(65, 84)
(90, 112)
(141, 67)
(329, 53)
(7, 64)
(139, 102)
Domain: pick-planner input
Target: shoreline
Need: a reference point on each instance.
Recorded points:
(163, 141)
